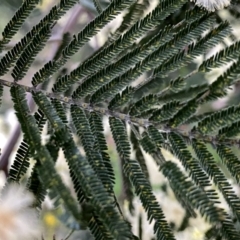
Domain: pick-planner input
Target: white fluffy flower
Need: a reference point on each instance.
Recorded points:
(17, 219)
(212, 5)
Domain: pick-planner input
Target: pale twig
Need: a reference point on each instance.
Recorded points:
(69, 235)
(142, 122)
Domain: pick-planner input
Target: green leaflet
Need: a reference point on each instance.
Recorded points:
(180, 150)
(17, 20)
(97, 130)
(230, 160)
(84, 172)
(223, 57)
(207, 208)
(139, 155)
(209, 165)
(54, 15)
(87, 210)
(78, 41)
(46, 171)
(21, 162)
(142, 187)
(99, 60)
(27, 57)
(151, 61)
(221, 119)
(166, 112)
(92, 148)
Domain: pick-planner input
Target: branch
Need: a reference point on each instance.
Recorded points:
(142, 122)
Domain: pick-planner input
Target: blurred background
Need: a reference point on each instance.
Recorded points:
(75, 20)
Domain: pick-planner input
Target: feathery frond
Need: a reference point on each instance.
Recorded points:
(17, 20)
(143, 79)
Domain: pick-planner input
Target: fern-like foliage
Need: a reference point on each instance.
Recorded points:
(140, 81)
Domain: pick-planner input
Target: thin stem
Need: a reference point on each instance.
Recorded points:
(69, 235)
